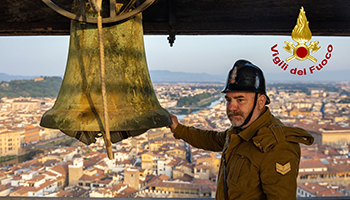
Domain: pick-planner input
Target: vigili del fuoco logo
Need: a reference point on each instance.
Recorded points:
(301, 51)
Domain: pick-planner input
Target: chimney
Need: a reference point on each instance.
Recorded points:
(326, 151)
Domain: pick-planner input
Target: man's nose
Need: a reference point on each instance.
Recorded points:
(232, 106)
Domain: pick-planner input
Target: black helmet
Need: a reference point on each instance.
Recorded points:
(246, 77)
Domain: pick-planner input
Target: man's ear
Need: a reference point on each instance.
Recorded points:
(261, 101)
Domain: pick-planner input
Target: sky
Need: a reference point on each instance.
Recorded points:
(47, 55)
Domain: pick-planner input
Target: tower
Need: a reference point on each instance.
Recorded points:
(131, 178)
(75, 171)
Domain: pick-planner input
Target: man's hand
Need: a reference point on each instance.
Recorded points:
(175, 122)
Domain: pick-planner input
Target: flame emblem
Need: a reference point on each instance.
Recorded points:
(301, 34)
(233, 75)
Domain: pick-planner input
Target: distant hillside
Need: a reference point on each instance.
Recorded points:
(15, 86)
(48, 87)
(6, 77)
(157, 76)
(165, 76)
(25, 86)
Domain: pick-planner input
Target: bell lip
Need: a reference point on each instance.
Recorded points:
(154, 119)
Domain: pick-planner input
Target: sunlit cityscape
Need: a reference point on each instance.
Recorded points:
(41, 162)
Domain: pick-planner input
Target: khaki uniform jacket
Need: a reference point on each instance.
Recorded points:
(262, 161)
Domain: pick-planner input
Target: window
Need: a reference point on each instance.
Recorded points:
(304, 177)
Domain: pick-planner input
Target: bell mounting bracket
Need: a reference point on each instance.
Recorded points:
(125, 14)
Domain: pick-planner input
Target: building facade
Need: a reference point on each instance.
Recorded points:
(9, 143)
(31, 134)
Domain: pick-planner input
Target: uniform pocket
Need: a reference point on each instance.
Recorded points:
(235, 168)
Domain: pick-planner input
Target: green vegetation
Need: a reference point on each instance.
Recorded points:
(88, 151)
(199, 100)
(6, 158)
(48, 87)
(66, 141)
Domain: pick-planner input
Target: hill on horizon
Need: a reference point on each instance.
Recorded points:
(48, 87)
(6, 77)
(166, 76)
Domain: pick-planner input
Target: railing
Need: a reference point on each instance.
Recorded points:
(84, 198)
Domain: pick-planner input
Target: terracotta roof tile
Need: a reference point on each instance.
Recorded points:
(330, 193)
(36, 178)
(62, 169)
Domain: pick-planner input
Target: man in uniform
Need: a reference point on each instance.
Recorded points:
(260, 155)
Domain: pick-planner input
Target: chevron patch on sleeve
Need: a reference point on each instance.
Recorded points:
(283, 169)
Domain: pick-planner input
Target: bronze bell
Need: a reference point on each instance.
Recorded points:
(132, 104)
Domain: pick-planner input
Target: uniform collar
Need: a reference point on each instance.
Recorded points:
(247, 133)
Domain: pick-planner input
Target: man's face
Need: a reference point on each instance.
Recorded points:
(239, 105)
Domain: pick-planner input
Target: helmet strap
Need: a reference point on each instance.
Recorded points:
(251, 112)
